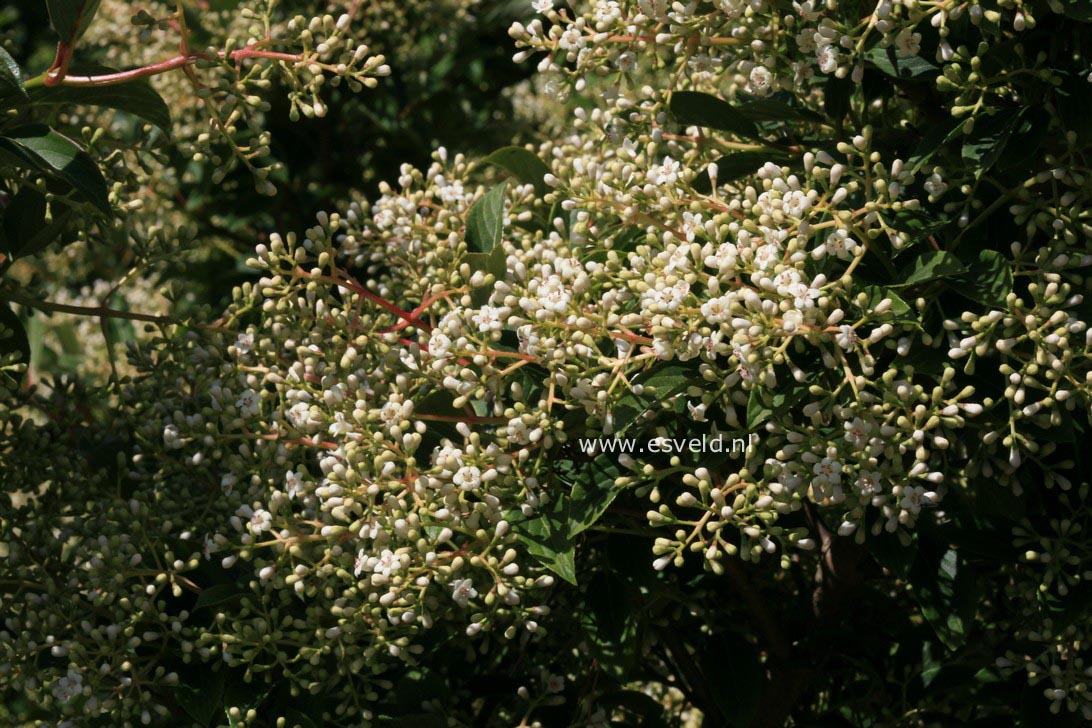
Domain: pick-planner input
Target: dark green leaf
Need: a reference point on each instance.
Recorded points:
(27, 226)
(900, 309)
(592, 493)
(763, 403)
(946, 594)
(203, 699)
(773, 109)
(740, 164)
(524, 166)
(11, 78)
(988, 280)
(70, 18)
(40, 148)
(662, 381)
(13, 337)
(692, 108)
(929, 267)
(546, 538)
(984, 145)
(485, 221)
(888, 61)
(135, 97)
(1078, 10)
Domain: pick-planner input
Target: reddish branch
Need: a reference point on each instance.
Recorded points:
(57, 75)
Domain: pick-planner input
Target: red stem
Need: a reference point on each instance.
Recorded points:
(107, 79)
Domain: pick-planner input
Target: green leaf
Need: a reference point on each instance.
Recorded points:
(27, 225)
(1078, 10)
(763, 403)
(946, 594)
(692, 108)
(40, 148)
(524, 166)
(546, 539)
(767, 109)
(984, 145)
(485, 221)
(741, 164)
(662, 381)
(929, 267)
(70, 18)
(13, 336)
(202, 700)
(888, 61)
(988, 280)
(135, 97)
(592, 493)
(11, 78)
(900, 309)
(218, 594)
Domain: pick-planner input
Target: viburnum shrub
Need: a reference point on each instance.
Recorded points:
(384, 485)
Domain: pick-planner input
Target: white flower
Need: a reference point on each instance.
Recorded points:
(847, 337)
(68, 687)
(258, 521)
(761, 81)
(248, 403)
(828, 58)
(828, 470)
(245, 342)
(907, 43)
(467, 477)
(462, 591)
(717, 310)
(489, 318)
(935, 185)
(697, 411)
(723, 258)
(914, 497)
(387, 563)
(868, 483)
(665, 173)
(293, 483)
(857, 432)
(340, 426)
(439, 344)
(227, 483)
(360, 562)
(626, 61)
(571, 39)
(298, 414)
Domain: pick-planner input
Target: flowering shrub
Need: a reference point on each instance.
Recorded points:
(851, 234)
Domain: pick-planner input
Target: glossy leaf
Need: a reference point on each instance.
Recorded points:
(692, 108)
(524, 166)
(70, 18)
(988, 279)
(913, 68)
(135, 97)
(46, 151)
(11, 78)
(485, 221)
(945, 593)
(13, 336)
(592, 492)
(929, 267)
(29, 226)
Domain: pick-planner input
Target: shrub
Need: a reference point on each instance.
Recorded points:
(382, 484)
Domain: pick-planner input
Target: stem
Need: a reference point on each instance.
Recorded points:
(180, 61)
